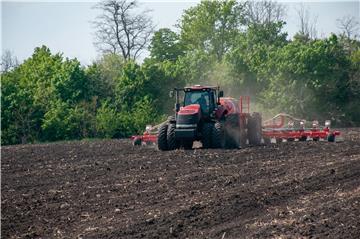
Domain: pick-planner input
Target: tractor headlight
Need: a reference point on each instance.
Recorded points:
(327, 123)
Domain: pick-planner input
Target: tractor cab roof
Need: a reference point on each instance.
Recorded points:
(200, 87)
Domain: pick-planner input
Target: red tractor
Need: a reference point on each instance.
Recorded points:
(205, 115)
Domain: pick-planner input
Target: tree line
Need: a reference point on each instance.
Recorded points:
(240, 46)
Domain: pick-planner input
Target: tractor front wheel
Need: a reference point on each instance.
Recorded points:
(171, 140)
(206, 132)
(162, 137)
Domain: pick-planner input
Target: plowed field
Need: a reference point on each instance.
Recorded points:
(110, 189)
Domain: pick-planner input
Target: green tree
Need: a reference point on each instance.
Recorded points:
(103, 76)
(129, 87)
(248, 60)
(108, 122)
(212, 26)
(31, 89)
(63, 121)
(165, 45)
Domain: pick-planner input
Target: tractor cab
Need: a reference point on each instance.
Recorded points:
(206, 97)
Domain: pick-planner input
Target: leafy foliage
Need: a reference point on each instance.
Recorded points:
(49, 97)
(166, 45)
(211, 26)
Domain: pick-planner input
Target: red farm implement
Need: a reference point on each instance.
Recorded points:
(148, 137)
(284, 126)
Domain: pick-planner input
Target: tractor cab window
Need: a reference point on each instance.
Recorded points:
(198, 97)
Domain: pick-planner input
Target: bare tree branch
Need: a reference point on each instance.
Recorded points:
(8, 61)
(349, 26)
(120, 30)
(307, 23)
(265, 11)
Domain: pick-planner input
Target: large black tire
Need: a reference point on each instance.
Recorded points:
(206, 132)
(232, 131)
(218, 135)
(172, 142)
(255, 129)
(162, 137)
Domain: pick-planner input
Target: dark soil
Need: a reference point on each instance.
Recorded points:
(109, 189)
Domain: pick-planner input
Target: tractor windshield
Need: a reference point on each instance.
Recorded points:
(199, 97)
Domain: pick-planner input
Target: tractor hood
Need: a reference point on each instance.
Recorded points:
(188, 116)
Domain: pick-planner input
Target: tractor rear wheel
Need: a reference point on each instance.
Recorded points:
(162, 137)
(206, 132)
(254, 129)
(232, 131)
(218, 135)
(171, 140)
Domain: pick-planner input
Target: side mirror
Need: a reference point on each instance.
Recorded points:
(177, 107)
(221, 93)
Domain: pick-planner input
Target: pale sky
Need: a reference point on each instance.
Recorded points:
(66, 26)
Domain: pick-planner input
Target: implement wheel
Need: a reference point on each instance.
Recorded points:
(331, 138)
(137, 142)
(303, 138)
(267, 140)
